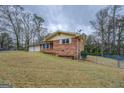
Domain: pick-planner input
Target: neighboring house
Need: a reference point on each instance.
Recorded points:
(64, 44)
(35, 47)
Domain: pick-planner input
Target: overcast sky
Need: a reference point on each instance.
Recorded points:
(66, 18)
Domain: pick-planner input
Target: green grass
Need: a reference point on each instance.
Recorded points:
(27, 69)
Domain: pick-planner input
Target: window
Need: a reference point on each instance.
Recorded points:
(45, 46)
(65, 41)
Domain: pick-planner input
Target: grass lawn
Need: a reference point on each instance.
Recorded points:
(27, 69)
(105, 61)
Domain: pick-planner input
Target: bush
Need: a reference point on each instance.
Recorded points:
(84, 54)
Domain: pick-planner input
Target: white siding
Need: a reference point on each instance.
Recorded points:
(61, 36)
(70, 40)
(34, 48)
(60, 41)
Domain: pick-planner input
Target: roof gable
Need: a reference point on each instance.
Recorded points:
(59, 35)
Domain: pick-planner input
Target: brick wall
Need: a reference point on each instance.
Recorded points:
(65, 49)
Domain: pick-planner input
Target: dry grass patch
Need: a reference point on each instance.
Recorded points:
(105, 61)
(27, 69)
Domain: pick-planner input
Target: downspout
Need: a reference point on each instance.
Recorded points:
(77, 49)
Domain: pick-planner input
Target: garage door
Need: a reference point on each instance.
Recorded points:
(34, 48)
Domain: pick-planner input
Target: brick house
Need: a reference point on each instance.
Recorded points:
(64, 44)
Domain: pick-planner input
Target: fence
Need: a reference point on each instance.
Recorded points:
(112, 61)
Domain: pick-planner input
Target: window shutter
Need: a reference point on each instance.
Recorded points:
(60, 41)
(70, 40)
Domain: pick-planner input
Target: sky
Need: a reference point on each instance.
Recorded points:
(66, 17)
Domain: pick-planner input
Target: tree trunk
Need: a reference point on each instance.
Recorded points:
(102, 46)
(119, 41)
(27, 45)
(17, 42)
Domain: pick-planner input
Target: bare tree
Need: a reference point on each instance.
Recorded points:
(23, 25)
(10, 19)
(5, 41)
(40, 31)
(120, 34)
(109, 26)
(114, 14)
(100, 24)
(28, 28)
(32, 28)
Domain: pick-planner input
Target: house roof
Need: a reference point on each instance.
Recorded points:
(61, 32)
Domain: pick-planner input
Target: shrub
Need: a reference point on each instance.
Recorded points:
(84, 54)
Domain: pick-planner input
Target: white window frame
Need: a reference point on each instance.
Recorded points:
(69, 39)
